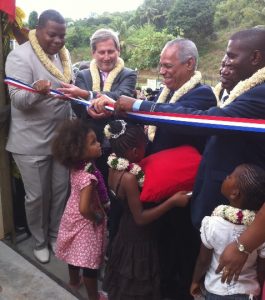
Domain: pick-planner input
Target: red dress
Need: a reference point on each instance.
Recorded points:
(80, 242)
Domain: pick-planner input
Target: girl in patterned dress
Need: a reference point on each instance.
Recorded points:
(81, 237)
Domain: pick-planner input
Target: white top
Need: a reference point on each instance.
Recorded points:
(216, 234)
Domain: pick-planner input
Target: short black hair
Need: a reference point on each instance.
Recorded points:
(251, 184)
(133, 136)
(252, 39)
(70, 141)
(50, 15)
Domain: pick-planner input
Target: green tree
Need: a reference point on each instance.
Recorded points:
(194, 17)
(147, 44)
(153, 12)
(239, 13)
(33, 20)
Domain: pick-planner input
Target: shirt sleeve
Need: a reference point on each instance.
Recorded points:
(136, 105)
(207, 232)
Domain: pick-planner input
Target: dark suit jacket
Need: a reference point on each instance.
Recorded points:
(168, 136)
(225, 151)
(124, 84)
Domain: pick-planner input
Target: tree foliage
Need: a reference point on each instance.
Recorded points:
(33, 20)
(194, 17)
(147, 44)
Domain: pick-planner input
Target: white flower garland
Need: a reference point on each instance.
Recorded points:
(243, 86)
(184, 89)
(235, 215)
(110, 135)
(66, 76)
(111, 76)
(121, 164)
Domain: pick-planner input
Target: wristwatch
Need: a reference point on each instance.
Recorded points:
(241, 247)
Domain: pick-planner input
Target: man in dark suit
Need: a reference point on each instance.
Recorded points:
(106, 75)
(245, 55)
(178, 240)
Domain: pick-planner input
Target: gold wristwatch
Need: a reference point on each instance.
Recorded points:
(241, 247)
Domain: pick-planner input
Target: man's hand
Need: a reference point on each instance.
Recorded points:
(99, 104)
(97, 109)
(72, 91)
(42, 86)
(124, 104)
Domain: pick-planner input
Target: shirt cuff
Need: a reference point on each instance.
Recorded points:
(136, 105)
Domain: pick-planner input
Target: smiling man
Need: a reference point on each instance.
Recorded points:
(42, 62)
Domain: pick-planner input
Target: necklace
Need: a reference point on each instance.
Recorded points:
(184, 89)
(101, 188)
(66, 76)
(235, 215)
(122, 164)
(245, 85)
(111, 76)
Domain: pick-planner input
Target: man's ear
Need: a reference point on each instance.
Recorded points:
(190, 64)
(256, 57)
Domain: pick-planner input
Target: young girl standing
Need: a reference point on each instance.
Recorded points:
(132, 270)
(245, 191)
(81, 237)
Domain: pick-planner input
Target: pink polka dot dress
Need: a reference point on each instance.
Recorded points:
(80, 242)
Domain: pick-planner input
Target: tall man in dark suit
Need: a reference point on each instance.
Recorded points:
(245, 55)
(178, 240)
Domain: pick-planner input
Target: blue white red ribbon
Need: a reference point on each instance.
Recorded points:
(210, 122)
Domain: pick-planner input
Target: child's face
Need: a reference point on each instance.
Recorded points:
(229, 185)
(93, 148)
(141, 150)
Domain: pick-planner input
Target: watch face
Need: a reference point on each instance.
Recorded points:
(241, 248)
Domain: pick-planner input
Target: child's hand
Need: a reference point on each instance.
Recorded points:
(180, 199)
(98, 218)
(195, 289)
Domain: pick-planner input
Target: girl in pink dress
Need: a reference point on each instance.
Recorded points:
(81, 237)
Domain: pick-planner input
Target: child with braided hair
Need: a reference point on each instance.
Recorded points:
(245, 190)
(132, 271)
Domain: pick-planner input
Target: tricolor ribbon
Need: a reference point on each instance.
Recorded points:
(209, 122)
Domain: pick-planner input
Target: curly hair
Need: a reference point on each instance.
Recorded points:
(251, 183)
(70, 141)
(132, 137)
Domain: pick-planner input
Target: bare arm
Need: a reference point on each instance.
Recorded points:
(144, 216)
(201, 267)
(86, 208)
(251, 238)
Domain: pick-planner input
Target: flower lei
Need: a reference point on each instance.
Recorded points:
(66, 76)
(217, 91)
(122, 164)
(235, 215)
(101, 188)
(184, 89)
(244, 86)
(111, 76)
